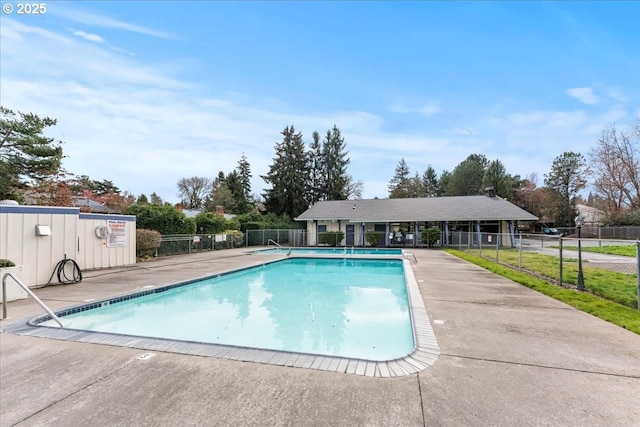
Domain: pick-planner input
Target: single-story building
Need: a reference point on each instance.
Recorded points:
(404, 221)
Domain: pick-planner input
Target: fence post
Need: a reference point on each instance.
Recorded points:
(520, 253)
(560, 254)
(638, 269)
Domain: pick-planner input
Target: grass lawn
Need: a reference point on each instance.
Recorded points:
(612, 285)
(610, 311)
(626, 250)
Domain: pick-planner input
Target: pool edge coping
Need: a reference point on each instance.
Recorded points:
(424, 354)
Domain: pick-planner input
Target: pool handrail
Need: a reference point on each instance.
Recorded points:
(29, 292)
(270, 241)
(415, 260)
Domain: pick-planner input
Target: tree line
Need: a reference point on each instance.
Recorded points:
(301, 175)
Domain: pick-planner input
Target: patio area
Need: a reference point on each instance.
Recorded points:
(508, 356)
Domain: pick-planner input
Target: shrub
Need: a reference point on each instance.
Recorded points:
(432, 236)
(147, 241)
(165, 219)
(210, 223)
(6, 263)
(374, 237)
(235, 239)
(331, 238)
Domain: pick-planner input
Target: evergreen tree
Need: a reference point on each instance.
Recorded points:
(142, 200)
(496, 176)
(245, 202)
(220, 195)
(288, 176)
(334, 163)
(26, 155)
(443, 182)
(234, 184)
(568, 175)
(430, 182)
(416, 187)
(316, 170)
(155, 199)
(400, 184)
(466, 179)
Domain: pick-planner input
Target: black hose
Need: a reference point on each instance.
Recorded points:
(61, 273)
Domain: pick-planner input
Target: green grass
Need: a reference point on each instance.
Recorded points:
(610, 311)
(612, 285)
(627, 250)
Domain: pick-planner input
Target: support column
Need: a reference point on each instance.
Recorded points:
(446, 233)
(478, 235)
(511, 233)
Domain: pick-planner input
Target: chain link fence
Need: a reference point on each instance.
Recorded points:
(177, 244)
(605, 267)
(281, 237)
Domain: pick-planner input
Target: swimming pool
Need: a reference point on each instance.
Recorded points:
(330, 251)
(297, 305)
(424, 353)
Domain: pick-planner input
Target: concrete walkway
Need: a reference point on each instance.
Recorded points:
(509, 356)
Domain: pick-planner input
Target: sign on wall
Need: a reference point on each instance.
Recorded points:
(117, 233)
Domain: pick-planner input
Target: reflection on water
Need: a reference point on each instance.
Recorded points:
(350, 308)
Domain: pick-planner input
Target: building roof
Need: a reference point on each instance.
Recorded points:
(192, 213)
(457, 208)
(95, 207)
(591, 215)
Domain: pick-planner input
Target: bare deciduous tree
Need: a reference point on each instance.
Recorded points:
(192, 191)
(616, 165)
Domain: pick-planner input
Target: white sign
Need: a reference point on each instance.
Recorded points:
(117, 236)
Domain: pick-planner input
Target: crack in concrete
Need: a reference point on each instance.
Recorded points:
(86, 386)
(534, 365)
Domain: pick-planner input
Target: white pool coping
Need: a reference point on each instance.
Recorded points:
(425, 353)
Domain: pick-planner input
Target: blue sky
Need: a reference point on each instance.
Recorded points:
(149, 92)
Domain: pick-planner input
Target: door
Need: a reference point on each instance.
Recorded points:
(350, 234)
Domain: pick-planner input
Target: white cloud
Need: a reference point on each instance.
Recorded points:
(584, 95)
(91, 37)
(142, 126)
(429, 109)
(76, 14)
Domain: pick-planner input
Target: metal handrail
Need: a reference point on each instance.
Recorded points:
(274, 242)
(31, 294)
(415, 260)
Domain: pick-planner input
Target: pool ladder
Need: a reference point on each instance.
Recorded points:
(31, 294)
(404, 254)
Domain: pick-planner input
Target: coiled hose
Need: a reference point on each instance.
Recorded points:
(62, 274)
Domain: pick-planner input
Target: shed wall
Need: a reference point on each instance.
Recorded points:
(72, 236)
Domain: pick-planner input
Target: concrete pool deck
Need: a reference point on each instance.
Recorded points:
(508, 355)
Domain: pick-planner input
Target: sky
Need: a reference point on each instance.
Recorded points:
(148, 92)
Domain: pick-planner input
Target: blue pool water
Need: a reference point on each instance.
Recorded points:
(332, 251)
(355, 308)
